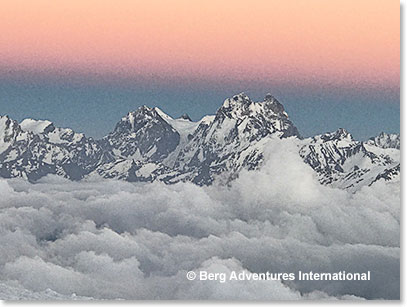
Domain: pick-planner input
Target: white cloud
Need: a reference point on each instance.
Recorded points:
(114, 239)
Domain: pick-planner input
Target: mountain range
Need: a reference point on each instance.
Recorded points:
(148, 145)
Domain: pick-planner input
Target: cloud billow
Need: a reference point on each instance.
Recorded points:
(113, 239)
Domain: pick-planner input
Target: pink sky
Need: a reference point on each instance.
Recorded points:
(341, 42)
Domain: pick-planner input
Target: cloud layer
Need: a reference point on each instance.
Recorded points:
(113, 239)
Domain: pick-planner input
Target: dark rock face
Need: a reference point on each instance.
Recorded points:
(143, 134)
(342, 162)
(148, 145)
(226, 145)
(33, 155)
(385, 140)
(186, 117)
(388, 174)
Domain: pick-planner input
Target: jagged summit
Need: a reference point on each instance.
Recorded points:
(265, 117)
(9, 129)
(148, 145)
(241, 105)
(236, 105)
(385, 140)
(144, 135)
(274, 105)
(340, 134)
(228, 142)
(241, 96)
(135, 119)
(269, 97)
(341, 161)
(37, 126)
(186, 117)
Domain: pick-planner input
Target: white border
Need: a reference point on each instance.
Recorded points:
(403, 111)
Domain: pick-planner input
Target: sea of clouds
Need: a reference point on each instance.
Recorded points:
(112, 239)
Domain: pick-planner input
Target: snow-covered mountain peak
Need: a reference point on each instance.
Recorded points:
(7, 123)
(238, 98)
(148, 144)
(241, 106)
(385, 140)
(145, 134)
(339, 135)
(232, 139)
(162, 114)
(274, 105)
(55, 135)
(10, 130)
(185, 116)
(134, 120)
(236, 106)
(343, 162)
(37, 126)
(269, 97)
(5, 126)
(207, 120)
(3, 118)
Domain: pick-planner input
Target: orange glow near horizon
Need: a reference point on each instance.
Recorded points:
(337, 42)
